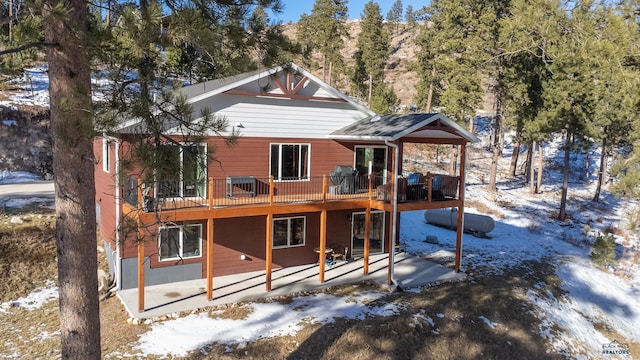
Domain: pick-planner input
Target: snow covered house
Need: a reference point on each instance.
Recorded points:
(313, 173)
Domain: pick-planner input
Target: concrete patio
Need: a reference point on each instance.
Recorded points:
(410, 271)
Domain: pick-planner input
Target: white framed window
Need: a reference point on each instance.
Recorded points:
(289, 232)
(106, 159)
(180, 242)
(290, 161)
(182, 171)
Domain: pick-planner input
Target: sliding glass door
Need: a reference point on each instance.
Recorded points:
(376, 243)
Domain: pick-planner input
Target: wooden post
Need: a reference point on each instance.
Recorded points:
(460, 223)
(269, 249)
(269, 237)
(323, 242)
(367, 239)
(210, 194)
(367, 230)
(394, 183)
(210, 244)
(209, 259)
(271, 190)
(324, 188)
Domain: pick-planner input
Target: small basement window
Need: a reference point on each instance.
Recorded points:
(289, 232)
(180, 242)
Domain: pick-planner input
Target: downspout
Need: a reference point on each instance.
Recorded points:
(394, 216)
(118, 258)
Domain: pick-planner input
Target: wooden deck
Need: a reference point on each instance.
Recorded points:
(287, 198)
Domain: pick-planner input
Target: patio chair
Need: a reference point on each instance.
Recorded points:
(339, 252)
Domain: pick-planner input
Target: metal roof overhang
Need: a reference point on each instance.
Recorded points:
(448, 133)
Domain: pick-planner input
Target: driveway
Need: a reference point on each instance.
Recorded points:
(41, 189)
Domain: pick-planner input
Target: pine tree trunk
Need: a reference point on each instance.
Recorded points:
(501, 139)
(370, 89)
(324, 68)
(497, 125)
(603, 168)
(430, 93)
(10, 20)
(72, 136)
(514, 158)
(540, 164)
(527, 163)
(532, 173)
(562, 215)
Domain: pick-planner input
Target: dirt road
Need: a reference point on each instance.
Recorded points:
(42, 189)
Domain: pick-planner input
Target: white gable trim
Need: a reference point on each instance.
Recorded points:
(462, 132)
(338, 94)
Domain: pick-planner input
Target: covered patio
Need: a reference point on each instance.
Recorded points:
(410, 272)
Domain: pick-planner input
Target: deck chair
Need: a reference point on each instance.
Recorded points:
(339, 252)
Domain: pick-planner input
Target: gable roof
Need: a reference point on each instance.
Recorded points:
(201, 91)
(395, 126)
(319, 93)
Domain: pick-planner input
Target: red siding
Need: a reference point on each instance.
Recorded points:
(105, 191)
(251, 156)
(241, 236)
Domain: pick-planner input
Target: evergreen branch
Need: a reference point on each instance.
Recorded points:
(28, 46)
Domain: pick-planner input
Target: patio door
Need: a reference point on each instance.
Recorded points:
(376, 233)
(371, 160)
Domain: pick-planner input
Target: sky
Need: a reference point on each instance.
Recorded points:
(294, 8)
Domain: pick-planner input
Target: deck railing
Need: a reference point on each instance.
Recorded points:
(249, 190)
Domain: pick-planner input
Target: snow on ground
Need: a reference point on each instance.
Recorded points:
(15, 177)
(24, 202)
(34, 300)
(180, 336)
(34, 86)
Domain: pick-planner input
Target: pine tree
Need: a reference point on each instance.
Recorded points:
(373, 50)
(359, 77)
(569, 96)
(410, 16)
(324, 30)
(216, 40)
(394, 16)
(449, 56)
(615, 83)
(384, 100)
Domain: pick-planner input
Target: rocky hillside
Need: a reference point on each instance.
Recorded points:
(403, 51)
(25, 143)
